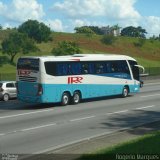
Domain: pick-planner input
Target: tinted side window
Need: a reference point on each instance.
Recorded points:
(68, 68)
(75, 68)
(78, 68)
(50, 68)
(114, 67)
(123, 67)
(10, 85)
(88, 68)
(100, 68)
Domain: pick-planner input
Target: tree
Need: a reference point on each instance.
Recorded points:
(66, 48)
(154, 38)
(35, 30)
(84, 29)
(134, 32)
(17, 43)
(1, 27)
(96, 30)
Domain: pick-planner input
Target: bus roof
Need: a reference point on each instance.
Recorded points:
(82, 57)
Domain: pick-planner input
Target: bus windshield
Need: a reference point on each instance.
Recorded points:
(28, 64)
(135, 69)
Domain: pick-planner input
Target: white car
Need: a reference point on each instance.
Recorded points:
(8, 90)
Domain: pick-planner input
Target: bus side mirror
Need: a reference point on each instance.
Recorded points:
(140, 67)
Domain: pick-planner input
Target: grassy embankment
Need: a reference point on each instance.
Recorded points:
(148, 55)
(145, 147)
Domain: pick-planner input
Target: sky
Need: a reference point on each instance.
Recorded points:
(65, 15)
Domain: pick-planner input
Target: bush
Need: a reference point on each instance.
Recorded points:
(66, 48)
(140, 42)
(108, 39)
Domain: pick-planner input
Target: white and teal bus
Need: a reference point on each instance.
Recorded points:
(68, 79)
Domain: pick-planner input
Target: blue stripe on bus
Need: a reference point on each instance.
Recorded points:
(53, 92)
(116, 75)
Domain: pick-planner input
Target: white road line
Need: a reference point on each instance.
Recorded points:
(141, 108)
(153, 95)
(79, 119)
(38, 127)
(22, 114)
(72, 120)
(148, 84)
(117, 112)
(2, 134)
(28, 129)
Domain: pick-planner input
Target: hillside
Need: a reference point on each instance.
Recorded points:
(148, 55)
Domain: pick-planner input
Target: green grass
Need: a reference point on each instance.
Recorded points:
(147, 62)
(145, 145)
(8, 68)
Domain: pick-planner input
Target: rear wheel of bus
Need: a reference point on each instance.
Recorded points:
(76, 97)
(65, 99)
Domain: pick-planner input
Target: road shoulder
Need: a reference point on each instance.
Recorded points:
(108, 140)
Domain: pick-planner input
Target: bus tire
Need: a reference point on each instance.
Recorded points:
(125, 92)
(65, 99)
(76, 97)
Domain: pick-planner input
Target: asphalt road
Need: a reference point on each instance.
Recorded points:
(28, 128)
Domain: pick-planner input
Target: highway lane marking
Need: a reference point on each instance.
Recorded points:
(2, 134)
(152, 95)
(141, 108)
(83, 118)
(28, 129)
(123, 111)
(43, 126)
(117, 112)
(38, 127)
(22, 114)
(148, 84)
(72, 120)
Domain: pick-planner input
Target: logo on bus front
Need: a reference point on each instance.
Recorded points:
(74, 80)
(23, 72)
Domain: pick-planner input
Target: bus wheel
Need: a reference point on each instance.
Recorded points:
(125, 92)
(76, 97)
(65, 99)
